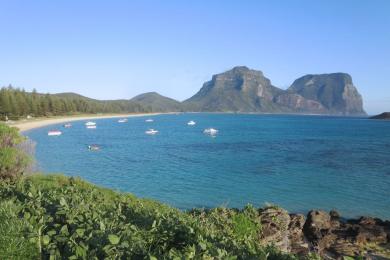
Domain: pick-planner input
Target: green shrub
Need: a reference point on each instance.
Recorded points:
(14, 234)
(71, 219)
(13, 161)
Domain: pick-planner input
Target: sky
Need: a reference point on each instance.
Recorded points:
(118, 49)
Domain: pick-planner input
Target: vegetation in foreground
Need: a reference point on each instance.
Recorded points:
(56, 217)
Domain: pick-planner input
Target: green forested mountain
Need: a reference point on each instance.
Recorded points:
(157, 102)
(16, 103)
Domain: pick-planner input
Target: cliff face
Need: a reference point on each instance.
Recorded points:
(238, 90)
(335, 92)
(244, 90)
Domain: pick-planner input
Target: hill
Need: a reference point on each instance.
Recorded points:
(383, 116)
(16, 103)
(157, 103)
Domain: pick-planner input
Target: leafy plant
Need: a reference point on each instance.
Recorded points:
(67, 218)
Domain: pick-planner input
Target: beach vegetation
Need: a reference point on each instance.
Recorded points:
(58, 217)
(13, 160)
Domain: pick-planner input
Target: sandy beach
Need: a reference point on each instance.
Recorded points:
(28, 124)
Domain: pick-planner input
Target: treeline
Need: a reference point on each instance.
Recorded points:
(16, 103)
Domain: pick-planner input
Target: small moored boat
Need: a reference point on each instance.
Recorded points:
(151, 132)
(90, 123)
(191, 123)
(149, 120)
(54, 133)
(210, 131)
(68, 125)
(93, 147)
(91, 126)
(123, 120)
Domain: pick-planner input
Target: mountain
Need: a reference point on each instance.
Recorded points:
(157, 103)
(245, 90)
(383, 116)
(334, 91)
(237, 90)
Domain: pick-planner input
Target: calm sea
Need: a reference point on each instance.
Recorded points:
(297, 162)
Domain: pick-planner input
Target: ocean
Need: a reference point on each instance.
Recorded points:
(296, 162)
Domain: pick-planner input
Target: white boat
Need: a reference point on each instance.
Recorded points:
(54, 133)
(123, 120)
(91, 126)
(90, 123)
(149, 120)
(191, 123)
(151, 132)
(210, 131)
(93, 147)
(68, 125)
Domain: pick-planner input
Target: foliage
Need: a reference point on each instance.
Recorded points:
(13, 161)
(16, 103)
(70, 219)
(14, 240)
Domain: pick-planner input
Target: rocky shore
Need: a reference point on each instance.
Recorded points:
(326, 234)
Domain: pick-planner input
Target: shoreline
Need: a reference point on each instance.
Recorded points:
(29, 124)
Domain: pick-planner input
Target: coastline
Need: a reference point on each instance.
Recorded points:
(29, 124)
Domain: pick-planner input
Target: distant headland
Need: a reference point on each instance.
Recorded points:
(383, 116)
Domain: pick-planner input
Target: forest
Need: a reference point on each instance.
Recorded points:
(16, 103)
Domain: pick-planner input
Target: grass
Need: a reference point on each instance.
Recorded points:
(57, 217)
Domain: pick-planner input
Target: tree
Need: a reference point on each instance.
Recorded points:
(13, 161)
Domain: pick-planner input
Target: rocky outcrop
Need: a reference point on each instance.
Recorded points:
(245, 90)
(275, 222)
(326, 234)
(299, 104)
(383, 116)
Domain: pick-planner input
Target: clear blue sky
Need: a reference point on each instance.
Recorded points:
(118, 49)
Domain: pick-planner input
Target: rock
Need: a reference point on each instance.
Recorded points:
(298, 244)
(369, 231)
(334, 219)
(275, 223)
(317, 224)
(298, 104)
(344, 248)
(325, 234)
(317, 229)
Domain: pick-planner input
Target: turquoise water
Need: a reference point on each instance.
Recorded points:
(297, 162)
